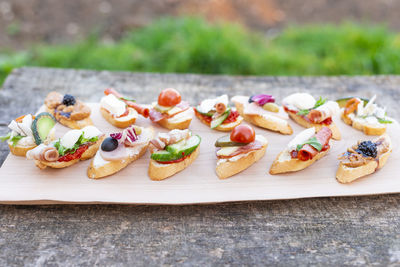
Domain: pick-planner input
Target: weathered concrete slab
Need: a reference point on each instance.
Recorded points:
(326, 231)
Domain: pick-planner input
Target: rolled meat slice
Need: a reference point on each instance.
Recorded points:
(323, 112)
(50, 154)
(156, 116)
(308, 152)
(43, 153)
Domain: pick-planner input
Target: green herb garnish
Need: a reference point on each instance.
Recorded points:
(127, 99)
(312, 142)
(384, 121)
(15, 139)
(320, 102)
(82, 140)
(6, 137)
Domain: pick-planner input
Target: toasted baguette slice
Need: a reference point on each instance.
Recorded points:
(368, 129)
(71, 123)
(347, 174)
(111, 167)
(89, 153)
(300, 120)
(227, 127)
(158, 171)
(19, 150)
(180, 121)
(284, 164)
(122, 122)
(264, 122)
(226, 169)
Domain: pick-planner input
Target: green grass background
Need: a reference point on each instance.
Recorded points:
(192, 45)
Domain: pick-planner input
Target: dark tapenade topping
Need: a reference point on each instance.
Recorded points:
(367, 149)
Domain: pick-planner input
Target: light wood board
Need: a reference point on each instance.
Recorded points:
(22, 182)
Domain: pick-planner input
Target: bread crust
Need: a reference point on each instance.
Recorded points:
(301, 121)
(72, 123)
(222, 127)
(115, 166)
(119, 123)
(170, 125)
(293, 165)
(346, 174)
(262, 122)
(89, 153)
(367, 129)
(158, 172)
(227, 169)
(19, 150)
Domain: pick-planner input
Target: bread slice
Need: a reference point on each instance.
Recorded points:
(227, 127)
(378, 129)
(72, 123)
(112, 167)
(226, 169)
(19, 150)
(287, 164)
(347, 174)
(263, 122)
(122, 122)
(159, 171)
(300, 120)
(89, 153)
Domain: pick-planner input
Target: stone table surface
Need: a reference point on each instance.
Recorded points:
(323, 231)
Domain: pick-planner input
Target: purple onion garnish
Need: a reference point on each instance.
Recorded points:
(126, 136)
(262, 99)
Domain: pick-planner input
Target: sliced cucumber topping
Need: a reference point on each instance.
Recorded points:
(218, 121)
(225, 141)
(41, 126)
(178, 150)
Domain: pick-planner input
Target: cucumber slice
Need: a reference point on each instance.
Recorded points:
(162, 109)
(184, 147)
(225, 141)
(208, 114)
(218, 121)
(41, 126)
(342, 101)
(163, 155)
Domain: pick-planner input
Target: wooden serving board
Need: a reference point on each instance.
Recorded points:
(22, 182)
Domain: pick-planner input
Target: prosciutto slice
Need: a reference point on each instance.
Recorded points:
(323, 112)
(308, 152)
(157, 116)
(169, 138)
(256, 145)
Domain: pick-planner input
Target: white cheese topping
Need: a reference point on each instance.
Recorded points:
(300, 101)
(301, 138)
(183, 116)
(113, 105)
(70, 138)
(90, 131)
(208, 104)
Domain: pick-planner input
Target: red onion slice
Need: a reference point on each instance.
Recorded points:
(262, 99)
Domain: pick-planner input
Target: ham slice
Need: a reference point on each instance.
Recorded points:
(118, 154)
(172, 137)
(256, 145)
(323, 112)
(144, 111)
(43, 153)
(307, 152)
(157, 116)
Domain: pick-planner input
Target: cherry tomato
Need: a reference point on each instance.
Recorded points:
(243, 134)
(169, 97)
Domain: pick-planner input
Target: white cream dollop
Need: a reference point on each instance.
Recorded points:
(208, 104)
(70, 138)
(90, 131)
(113, 104)
(300, 138)
(300, 101)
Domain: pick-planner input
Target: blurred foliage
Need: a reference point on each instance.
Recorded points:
(192, 45)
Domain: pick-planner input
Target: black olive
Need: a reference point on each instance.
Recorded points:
(251, 99)
(109, 144)
(367, 149)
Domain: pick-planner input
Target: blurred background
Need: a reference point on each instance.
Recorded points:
(239, 37)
